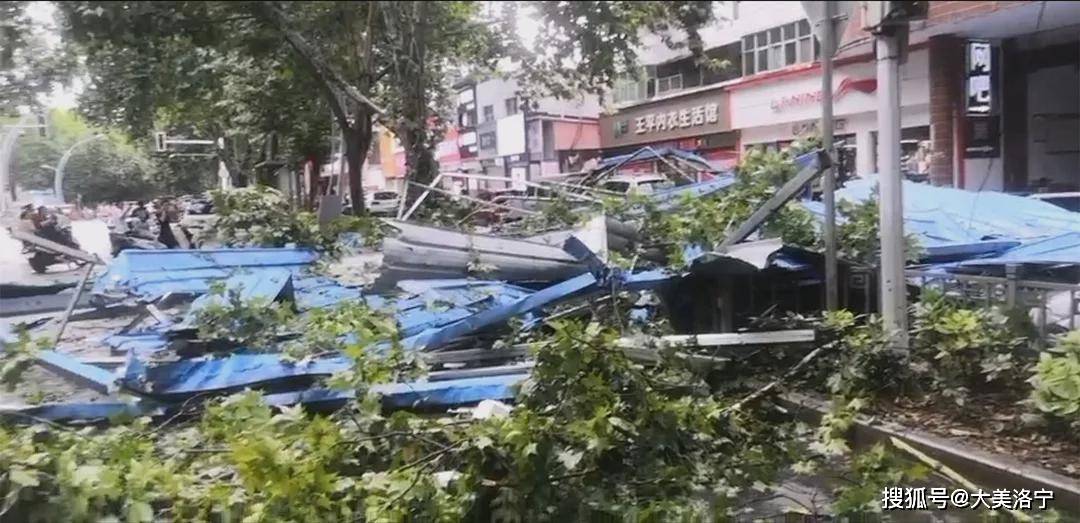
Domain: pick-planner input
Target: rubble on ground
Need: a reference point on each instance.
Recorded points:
(455, 295)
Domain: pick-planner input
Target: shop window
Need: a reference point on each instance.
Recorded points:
(845, 156)
(489, 113)
(778, 47)
(914, 151)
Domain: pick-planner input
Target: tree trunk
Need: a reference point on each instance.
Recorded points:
(420, 164)
(357, 143)
(416, 133)
(358, 132)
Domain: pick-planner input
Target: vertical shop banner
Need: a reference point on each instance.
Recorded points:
(983, 126)
(979, 75)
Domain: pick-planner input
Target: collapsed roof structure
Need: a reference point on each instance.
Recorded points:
(450, 316)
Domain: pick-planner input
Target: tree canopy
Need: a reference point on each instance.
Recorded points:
(588, 46)
(204, 69)
(245, 70)
(29, 65)
(108, 169)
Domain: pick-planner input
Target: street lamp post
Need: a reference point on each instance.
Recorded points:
(58, 183)
(7, 149)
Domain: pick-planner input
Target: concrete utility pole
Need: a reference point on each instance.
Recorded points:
(58, 179)
(829, 19)
(828, 45)
(891, 216)
(7, 148)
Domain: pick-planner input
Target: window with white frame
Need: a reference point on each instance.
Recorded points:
(629, 90)
(668, 84)
(779, 47)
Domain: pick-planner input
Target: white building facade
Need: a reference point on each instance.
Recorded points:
(1024, 138)
(501, 134)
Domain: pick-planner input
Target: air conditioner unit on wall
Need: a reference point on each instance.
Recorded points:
(881, 16)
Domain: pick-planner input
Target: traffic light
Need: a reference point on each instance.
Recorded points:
(43, 126)
(159, 142)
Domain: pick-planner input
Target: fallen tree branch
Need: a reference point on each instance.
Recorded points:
(775, 383)
(273, 14)
(949, 473)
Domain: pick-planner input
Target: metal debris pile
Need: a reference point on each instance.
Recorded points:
(454, 294)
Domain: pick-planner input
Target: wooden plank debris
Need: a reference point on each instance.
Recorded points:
(55, 247)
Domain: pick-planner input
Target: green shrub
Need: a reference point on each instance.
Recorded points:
(961, 348)
(1056, 380)
(860, 364)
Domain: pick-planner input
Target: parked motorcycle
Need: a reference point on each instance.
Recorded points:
(40, 259)
(136, 235)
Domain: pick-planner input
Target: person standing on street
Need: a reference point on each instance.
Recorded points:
(165, 233)
(140, 211)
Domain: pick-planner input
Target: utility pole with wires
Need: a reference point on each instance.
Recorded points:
(888, 21)
(829, 20)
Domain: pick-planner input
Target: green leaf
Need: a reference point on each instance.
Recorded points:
(622, 424)
(570, 458)
(23, 477)
(139, 512)
(483, 442)
(86, 475)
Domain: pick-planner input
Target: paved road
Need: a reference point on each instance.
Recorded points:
(81, 338)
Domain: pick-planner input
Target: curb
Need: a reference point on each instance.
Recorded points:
(984, 468)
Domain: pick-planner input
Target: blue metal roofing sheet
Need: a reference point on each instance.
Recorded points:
(1060, 249)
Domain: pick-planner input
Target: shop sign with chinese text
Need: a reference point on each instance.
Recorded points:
(695, 116)
(674, 119)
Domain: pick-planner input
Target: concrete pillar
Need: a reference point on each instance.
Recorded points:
(865, 149)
